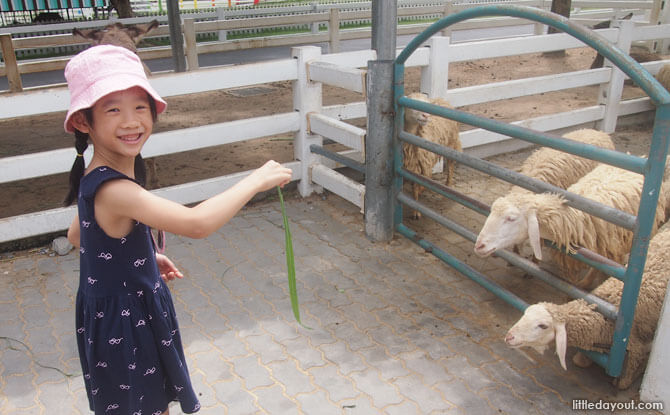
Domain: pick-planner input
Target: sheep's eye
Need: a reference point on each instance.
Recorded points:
(510, 218)
(542, 326)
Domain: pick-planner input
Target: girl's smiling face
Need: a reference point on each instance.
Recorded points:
(122, 123)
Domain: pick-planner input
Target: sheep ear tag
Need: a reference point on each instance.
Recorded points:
(534, 235)
(561, 339)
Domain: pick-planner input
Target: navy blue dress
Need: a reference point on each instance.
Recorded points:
(129, 343)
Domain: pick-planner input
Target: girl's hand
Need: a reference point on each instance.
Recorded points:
(271, 174)
(167, 269)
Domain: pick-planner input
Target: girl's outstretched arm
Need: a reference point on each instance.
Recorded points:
(118, 201)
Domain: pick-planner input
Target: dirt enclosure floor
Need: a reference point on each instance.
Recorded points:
(32, 134)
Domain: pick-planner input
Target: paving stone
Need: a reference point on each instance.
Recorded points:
(317, 403)
(474, 352)
(253, 374)
(428, 399)
(385, 336)
(388, 367)
(274, 401)
(468, 402)
(235, 398)
(304, 353)
(428, 370)
(346, 360)
(499, 398)
(475, 378)
(382, 393)
(349, 333)
(293, 381)
(212, 365)
(19, 391)
(404, 408)
(519, 383)
(266, 348)
(394, 330)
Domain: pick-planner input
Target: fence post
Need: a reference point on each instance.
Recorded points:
(221, 15)
(11, 66)
(610, 93)
(307, 97)
(191, 45)
(176, 37)
(435, 76)
(315, 25)
(664, 18)
(379, 193)
(334, 30)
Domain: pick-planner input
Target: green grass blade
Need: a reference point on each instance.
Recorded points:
(290, 262)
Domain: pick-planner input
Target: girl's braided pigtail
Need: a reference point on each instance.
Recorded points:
(78, 167)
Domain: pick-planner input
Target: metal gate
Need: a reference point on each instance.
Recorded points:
(652, 169)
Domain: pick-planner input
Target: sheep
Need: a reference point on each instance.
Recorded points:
(440, 130)
(663, 76)
(577, 324)
(553, 167)
(527, 216)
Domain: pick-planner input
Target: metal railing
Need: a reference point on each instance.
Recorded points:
(652, 169)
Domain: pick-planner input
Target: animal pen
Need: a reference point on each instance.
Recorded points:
(651, 167)
(311, 121)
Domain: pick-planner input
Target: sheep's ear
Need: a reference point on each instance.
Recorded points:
(561, 338)
(534, 235)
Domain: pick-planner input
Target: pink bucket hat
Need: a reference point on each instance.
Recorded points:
(101, 70)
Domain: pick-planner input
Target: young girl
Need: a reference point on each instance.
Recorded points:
(127, 334)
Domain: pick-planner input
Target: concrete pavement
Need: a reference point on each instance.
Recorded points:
(393, 330)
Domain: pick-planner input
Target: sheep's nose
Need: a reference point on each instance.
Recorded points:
(480, 246)
(509, 338)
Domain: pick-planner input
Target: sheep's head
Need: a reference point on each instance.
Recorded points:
(537, 328)
(413, 116)
(510, 222)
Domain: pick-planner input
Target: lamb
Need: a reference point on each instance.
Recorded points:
(554, 167)
(577, 324)
(527, 216)
(437, 129)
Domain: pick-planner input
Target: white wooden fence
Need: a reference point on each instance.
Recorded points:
(648, 12)
(311, 122)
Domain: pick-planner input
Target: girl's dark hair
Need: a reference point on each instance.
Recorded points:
(81, 144)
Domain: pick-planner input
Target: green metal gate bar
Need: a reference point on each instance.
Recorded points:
(652, 167)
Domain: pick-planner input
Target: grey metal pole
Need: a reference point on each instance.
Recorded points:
(384, 22)
(379, 202)
(176, 36)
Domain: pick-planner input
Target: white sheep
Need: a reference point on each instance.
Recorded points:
(577, 324)
(437, 129)
(554, 167)
(532, 217)
(563, 169)
(663, 76)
